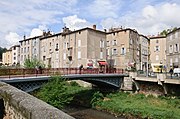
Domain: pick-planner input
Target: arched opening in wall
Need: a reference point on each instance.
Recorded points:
(2, 109)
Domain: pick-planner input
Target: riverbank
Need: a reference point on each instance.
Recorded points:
(60, 93)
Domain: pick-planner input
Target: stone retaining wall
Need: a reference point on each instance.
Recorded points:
(20, 105)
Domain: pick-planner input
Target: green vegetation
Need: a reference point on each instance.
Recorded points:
(2, 50)
(166, 31)
(140, 106)
(33, 63)
(60, 93)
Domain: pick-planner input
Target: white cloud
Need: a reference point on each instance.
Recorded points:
(105, 8)
(150, 20)
(38, 31)
(73, 22)
(12, 38)
(20, 17)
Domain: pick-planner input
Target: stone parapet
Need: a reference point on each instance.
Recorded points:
(20, 105)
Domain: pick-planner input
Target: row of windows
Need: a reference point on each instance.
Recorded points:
(25, 50)
(175, 46)
(175, 60)
(114, 42)
(114, 51)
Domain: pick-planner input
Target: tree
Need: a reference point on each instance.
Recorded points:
(166, 31)
(2, 50)
(33, 63)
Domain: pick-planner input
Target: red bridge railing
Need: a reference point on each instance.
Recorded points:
(21, 72)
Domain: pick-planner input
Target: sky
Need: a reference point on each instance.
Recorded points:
(31, 17)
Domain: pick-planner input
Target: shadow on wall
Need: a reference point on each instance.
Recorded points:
(2, 109)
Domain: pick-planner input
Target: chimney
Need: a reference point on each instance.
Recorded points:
(94, 27)
(24, 37)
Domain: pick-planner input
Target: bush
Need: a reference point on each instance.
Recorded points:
(55, 92)
(97, 97)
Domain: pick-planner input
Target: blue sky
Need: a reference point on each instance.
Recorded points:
(30, 17)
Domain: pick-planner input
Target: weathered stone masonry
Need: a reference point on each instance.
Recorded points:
(20, 105)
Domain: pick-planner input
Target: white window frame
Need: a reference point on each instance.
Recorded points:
(79, 54)
(101, 55)
(79, 43)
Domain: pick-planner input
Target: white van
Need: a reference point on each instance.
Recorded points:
(176, 72)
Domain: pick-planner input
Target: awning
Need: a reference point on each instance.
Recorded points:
(102, 63)
(90, 64)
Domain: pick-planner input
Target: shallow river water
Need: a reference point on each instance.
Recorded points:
(79, 112)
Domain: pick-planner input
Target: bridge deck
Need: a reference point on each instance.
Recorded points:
(168, 81)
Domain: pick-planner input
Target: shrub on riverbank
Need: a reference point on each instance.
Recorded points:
(140, 106)
(57, 92)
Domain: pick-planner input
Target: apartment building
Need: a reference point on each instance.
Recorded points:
(144, 52)
(158, 49)
(7, 58)
(173, 51)
(70, 49)
(123, 48)
(15, 54)
(29, 49)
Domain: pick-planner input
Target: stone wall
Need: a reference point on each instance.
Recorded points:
(20, 105)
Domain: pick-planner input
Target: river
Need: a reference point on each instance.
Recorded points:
(80, 112)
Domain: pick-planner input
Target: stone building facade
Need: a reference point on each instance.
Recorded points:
(158, 50)
(144, 52)
(173, 50)
(123, 48)
(70, 49)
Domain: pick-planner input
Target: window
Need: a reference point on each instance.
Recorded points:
(56, 47)
(35, 51)
(157, 48)
(24, 50)
(44, 58)
(14, 53)
(14, 48)
(101, 44)
(64, 56)
(115, 62)
(176, 35)
(79, 54)
(157, 57)
(21, 57)
(157, 41)
(171, 62)
(108, 52)
(14, 58)
(176, 59)
(64, 45)
(21, 50)
(28, 49)
(130, 41)
(108, 43)
(101, 55)
(79, 43)
(57, 55)
(114, 42)
(114, 52)
(170, 49)
(176, 47)
(123, 51)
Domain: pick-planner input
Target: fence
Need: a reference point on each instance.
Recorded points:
(21, 72)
